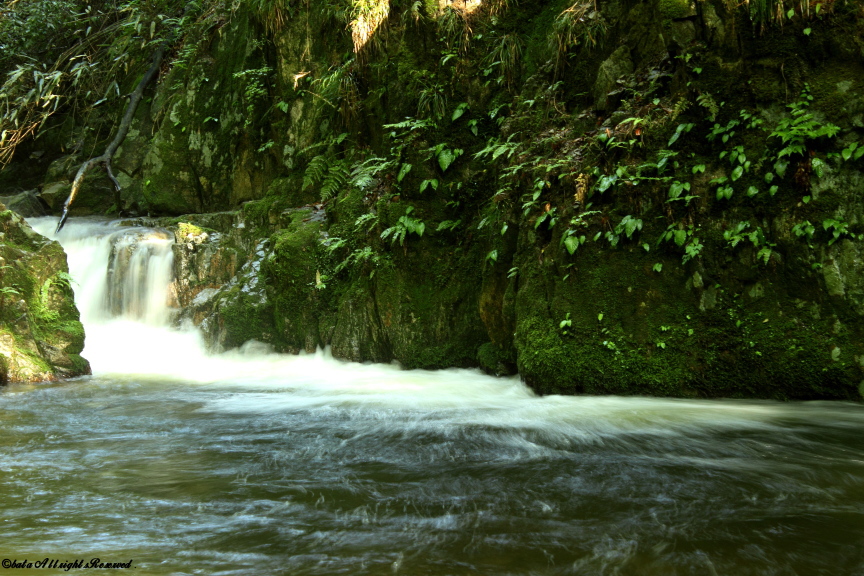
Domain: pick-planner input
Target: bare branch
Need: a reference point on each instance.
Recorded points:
(122, 130)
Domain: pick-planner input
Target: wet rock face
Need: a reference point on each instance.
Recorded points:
(274, 279)
(41, 337)
(220, 286)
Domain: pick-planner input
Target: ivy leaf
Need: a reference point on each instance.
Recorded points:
(752, 191)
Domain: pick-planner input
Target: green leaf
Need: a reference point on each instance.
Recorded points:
(600, 317)
(406, 168)
(658, 267)
(807, 31)
(459, 111)
(773, 190)
(780, 168)
(675, 189)
(427, 183)
(448, 225)
(818, 167)
(699, 169)
(790, 13)
(737, 173)
(752, 191)
(769, 177)
(681, 129)
(446, 157)
(571, 243)
(605, 182)
(631, 225)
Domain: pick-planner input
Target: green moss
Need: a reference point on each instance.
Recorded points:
(246, 317)
(289, 191)
(188, 229)
(671, 9)
(495, 360)
(293, 276)
(79, 364)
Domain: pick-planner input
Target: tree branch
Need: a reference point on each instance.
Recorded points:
(122, 130)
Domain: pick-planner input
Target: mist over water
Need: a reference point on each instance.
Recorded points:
(254, 462)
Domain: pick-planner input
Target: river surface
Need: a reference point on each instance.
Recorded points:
(250, 462)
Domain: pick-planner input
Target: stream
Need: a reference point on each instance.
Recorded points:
(251, 462)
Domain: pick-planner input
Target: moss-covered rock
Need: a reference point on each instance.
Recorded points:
(41, 337)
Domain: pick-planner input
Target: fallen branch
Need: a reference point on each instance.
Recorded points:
(122, 130)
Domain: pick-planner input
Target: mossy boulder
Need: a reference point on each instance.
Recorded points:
(41, 337)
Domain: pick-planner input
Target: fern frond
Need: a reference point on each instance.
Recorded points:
(315, 171)
(336, 179)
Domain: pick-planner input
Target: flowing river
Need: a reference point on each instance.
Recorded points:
(250, 462)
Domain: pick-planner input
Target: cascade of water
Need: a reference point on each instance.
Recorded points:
(123, 290)
(120, 272)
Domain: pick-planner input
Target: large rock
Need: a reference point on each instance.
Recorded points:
(26, 203)
(41, 337)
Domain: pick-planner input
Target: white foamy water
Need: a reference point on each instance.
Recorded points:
(123, 275)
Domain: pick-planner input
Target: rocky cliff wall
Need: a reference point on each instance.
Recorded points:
(647, 197)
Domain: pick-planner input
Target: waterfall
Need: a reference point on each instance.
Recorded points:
(123, 288)
(121, 272)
